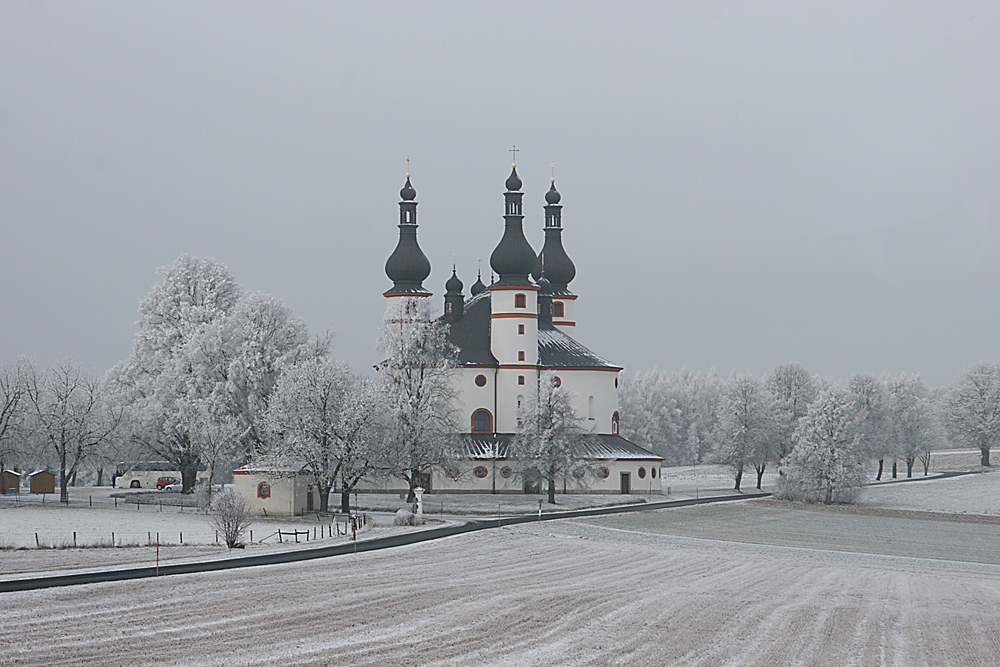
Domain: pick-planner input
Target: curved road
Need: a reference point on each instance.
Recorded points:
(369, 545)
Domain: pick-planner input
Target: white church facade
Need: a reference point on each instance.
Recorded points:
(507, 334)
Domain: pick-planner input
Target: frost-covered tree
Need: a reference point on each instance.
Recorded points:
(13, 405)
(827, 463)
(973, 409)
(415, 377)
(327, 418)
(672, 415)
(204, 362)
(873, 409)
(746, 427)
(546, 445)
(793, 390)
(914, 421)
(70, 420)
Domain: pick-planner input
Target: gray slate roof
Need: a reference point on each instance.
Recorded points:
(556, 349)
(483, 446)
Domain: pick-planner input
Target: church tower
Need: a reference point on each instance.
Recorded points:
(555, 263)
(513, 311)
(407, 266)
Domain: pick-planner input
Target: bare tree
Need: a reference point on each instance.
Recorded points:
(12, 406)
(326, 417)
(231, 514)
(793, 390)
(416, 380)
(973, 409)
(915, 424)
(873, 409)
(746, 427)
(547, 446)
(70, 418)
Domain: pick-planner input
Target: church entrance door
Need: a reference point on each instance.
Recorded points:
(626, 483)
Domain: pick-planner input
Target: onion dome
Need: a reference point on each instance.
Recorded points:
(513, 181)
(478, 287)
(552, 196)
(407, 266)
(454, 284)
(454, 301)
(559, 268)
(407, 193)
(513, 259)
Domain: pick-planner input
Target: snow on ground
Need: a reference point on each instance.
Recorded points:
(558, 593)
(968, 494)
(488, 504)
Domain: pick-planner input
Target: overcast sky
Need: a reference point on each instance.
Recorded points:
(744, 184)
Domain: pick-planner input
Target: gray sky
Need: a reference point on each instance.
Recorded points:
(744, 184)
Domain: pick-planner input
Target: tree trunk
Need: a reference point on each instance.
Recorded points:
(760, 474)
(63, 478)
(552, 491)
(345, 502)
(910, 460)
(100, 476)
(985, 456)
(894, 468)
(881, 464)
(739, 475)
(189, 475)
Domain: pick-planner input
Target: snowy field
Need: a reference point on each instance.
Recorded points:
(756, 583)
(969, 494)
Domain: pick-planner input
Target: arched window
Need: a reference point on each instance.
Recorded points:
(615, 421)
(482, 421)
(590, 407)
(520, 301)
(520, 355)
(557, 309)
(520, 329)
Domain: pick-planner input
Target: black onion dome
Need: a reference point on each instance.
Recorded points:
(478, 287)
(408, 193)
(552, 196)
(407, 266)
(559, 268)
(513, 182)
(454, 284)
(513, 256)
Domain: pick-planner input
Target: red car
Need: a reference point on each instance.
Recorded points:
(164, 482)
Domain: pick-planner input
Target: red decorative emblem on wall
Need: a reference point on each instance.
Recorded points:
(264, 490)
(506, 472)
(603, 472)
(642, 473)
(480, 471)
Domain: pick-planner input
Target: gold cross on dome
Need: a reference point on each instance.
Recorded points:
(514, 151)
(407, 166)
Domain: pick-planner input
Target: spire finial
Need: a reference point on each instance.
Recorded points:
(407, 166)
(514, 150)
(553, 167)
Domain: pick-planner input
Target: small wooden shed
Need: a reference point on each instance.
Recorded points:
(10, 481)
(42, 481)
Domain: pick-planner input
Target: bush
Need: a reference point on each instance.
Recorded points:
(231, 515)
(405, 517)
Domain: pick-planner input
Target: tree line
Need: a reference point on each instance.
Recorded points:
(824, 436)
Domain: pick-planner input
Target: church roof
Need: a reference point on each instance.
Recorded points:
(556, 349)
(593, 446)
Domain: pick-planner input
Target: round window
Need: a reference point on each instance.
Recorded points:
(652, 472)
(506, 472)
(263, 490)
(579, 473)
(558, 382)
(480, 471)
(642, 473)
(480, 380)
(603, 472)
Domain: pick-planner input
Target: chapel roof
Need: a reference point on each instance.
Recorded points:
(594, 446)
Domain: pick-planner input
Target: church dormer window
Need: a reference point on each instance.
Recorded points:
(482, 421)
(557, 309)
(520, 301)
(448, 308)
(590, 408)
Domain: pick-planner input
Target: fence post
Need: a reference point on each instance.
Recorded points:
(37, 544)
(74, 539)
(182, 537)
(90, 501)
(112, 538)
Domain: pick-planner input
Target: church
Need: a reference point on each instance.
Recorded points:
(508, 333)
